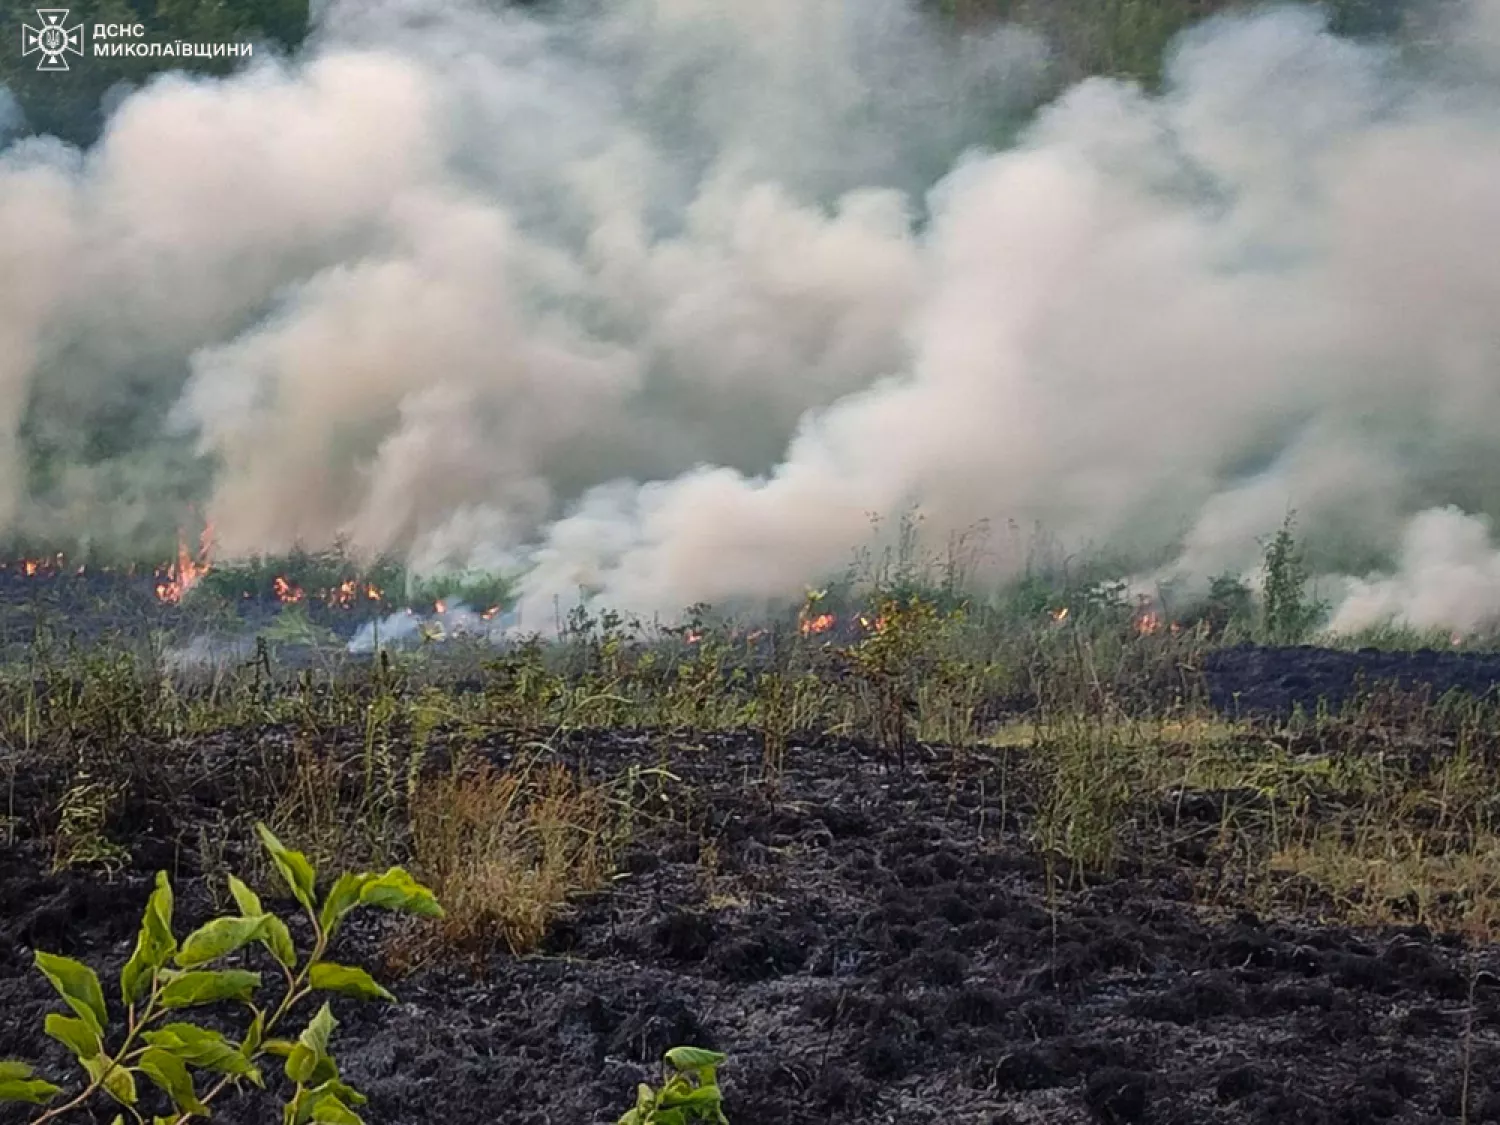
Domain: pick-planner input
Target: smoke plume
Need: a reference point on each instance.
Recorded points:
(662, 299)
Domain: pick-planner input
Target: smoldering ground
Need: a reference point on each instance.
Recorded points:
(662, 299)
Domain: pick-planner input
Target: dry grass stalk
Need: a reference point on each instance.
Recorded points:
(505, 851)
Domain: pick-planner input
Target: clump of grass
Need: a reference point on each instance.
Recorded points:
(82, 817)
(507, 850)
(310, 803)
(1399, 878)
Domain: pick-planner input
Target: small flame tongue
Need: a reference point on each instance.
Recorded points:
(818, 624)
(185, 571)
(286, 592)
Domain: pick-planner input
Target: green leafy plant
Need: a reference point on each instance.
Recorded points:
(1229, 604)
(905, 636)
(690, 1092)
(165, 976)
(1288, 615)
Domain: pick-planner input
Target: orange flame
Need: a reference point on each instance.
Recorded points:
(184, 572)
(819, 624)
(49, 567)
(286, 593)
(349, 591)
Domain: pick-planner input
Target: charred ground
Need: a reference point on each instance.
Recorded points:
(1076, 910)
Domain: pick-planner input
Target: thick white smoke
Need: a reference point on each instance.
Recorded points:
(1448, 578)
(664, 298)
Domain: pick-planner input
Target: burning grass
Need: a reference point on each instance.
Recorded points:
(514, 780)
(1087, 709)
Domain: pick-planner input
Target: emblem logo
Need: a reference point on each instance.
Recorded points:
(53, 39)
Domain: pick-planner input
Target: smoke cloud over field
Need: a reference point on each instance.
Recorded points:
(664, 298)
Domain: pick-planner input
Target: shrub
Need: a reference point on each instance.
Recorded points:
(1287, 616)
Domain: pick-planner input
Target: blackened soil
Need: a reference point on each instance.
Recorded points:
(1251, 680)
(868, 947)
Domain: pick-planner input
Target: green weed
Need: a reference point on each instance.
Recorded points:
(163, 977)
(689, 1093)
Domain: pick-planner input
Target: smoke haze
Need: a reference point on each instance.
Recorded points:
(663, 298)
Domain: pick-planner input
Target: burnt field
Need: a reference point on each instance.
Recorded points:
(1124, 879)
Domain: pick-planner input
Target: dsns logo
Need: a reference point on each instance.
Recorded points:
(53, 39)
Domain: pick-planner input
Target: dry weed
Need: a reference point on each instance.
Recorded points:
(505, 851)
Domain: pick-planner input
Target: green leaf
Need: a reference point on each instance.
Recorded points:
(219, 938)
(246, 899)
(324, 1072)
(693, 1058)
(705, 1097)
(17, 1085)
(254, 1035)
(334, 1112)
(342, 1090)
(184, 990)
(205, 1049)
(168, 1072)
(78, 985)
(278, 939)
(153, 946)
(74, 1034)
(275, 936)
(397, 890)
(295, 870)
(281, 1048)
(312, 1047)
(328, 1102)
(119, 1083)
(346, 981)
(343, 897)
